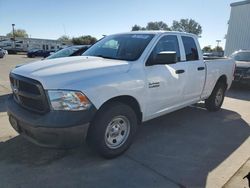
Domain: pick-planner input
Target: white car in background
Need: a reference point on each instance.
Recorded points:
(2, 53)
(242, 70)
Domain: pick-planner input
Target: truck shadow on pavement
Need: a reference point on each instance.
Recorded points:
(176, 150)
(3, 99)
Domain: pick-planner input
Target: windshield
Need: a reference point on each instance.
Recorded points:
(242, 56)
(127, 47)
(66, 52)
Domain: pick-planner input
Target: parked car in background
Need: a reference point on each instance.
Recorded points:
(242, 70)
(69, 51)
(38, 53)
(5, 51)
(76, 50)
(2, 53)
(208, 54)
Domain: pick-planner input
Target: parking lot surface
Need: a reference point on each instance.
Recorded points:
(188, 148)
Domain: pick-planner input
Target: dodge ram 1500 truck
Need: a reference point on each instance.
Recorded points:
(121, 81)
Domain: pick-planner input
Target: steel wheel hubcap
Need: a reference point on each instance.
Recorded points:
(117, 132)
(218, 97)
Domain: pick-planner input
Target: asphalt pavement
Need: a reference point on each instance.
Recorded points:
(187, 148)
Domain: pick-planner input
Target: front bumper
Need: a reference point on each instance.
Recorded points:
(243, 79)
(242, 75)
(57, 129)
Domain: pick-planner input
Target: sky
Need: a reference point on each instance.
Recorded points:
(50, 19)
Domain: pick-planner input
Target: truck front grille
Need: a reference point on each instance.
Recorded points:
(240, 70)
(29, 94)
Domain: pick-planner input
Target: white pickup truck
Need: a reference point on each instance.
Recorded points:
(121, 81)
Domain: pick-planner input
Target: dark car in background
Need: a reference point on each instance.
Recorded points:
(69, 51)
(76, 50)
(38, 53)
(242, 70)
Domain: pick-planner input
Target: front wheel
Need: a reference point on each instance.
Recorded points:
(214, 102)
(112, 131)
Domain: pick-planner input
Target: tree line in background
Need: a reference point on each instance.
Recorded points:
(209, 49)
(18, 33)
(183, 25)
(82, 40)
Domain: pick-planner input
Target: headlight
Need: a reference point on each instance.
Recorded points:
(68, 100)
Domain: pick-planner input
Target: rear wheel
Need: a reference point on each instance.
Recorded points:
(112, 131)
(214, 102)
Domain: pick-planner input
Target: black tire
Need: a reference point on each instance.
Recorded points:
(213, 104)
(98, 137)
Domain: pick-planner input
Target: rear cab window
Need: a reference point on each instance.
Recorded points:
(190, 47)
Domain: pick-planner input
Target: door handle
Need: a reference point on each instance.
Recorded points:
(179, 71)
(200, 68)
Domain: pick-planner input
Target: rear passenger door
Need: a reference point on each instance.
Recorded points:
(196, 70)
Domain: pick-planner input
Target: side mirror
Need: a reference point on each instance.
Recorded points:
(165, 57)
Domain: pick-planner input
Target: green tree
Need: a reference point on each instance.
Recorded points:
(218, 49)
(84, 40)
(18, 33)
(157, 26)
(187, 25)
(64, 38)
(137, 28)
(152, 26)
(207, 49)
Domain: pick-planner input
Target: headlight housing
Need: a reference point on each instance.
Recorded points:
(68, 100)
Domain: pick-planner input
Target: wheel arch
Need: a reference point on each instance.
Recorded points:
(222, 79)
(128, 100)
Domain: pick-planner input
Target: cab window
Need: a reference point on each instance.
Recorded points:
(190, 48)
(166, 43)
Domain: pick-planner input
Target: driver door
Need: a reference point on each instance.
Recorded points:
(165, 82)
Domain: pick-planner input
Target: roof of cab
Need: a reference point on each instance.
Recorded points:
(159, 32)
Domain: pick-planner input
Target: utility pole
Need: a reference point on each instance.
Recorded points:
(218, 43)
(14, 38)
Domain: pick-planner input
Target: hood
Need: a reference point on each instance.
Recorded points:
(242, 64)
(60, 72)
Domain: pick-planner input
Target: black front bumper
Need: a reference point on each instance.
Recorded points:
(242, 75)
(242, 79)
(58, 129)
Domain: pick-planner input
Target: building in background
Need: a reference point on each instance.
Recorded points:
(25, 44)
(238, 34)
